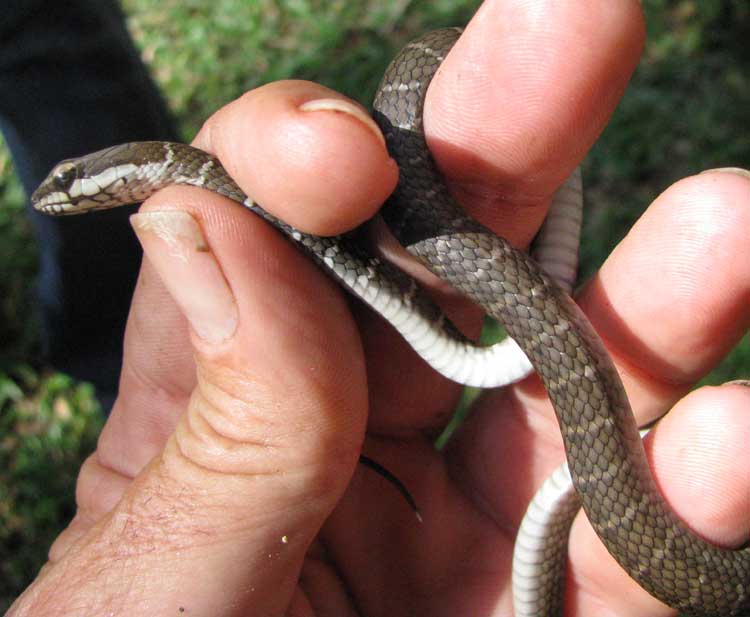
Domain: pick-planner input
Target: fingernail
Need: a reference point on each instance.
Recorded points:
(730, 170)
(345, 107)
(739, 382)
(175, 245)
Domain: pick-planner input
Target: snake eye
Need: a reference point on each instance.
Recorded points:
(64, 174)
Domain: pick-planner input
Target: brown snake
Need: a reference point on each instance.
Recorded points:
(602, 443)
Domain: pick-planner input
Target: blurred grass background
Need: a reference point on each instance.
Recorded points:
(687, 109)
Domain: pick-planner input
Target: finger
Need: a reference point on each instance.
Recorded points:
(326, 143)
(522, 97)
(667, 321)
(694, 452)
(669, 302)
(674, 296)
(516, 104)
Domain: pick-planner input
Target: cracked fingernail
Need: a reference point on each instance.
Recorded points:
(175, 245)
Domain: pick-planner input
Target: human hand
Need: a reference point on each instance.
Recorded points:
(223, 480)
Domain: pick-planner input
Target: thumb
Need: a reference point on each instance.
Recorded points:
(275, 424)
(222, 517)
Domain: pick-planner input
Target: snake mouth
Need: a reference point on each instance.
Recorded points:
(56, 209)
(59, 203)
(56, 202)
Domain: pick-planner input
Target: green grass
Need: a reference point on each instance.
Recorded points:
(687, 109)
(17, 268)
(231, 46)
(47, 427)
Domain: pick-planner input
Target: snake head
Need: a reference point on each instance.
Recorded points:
(55, 194)
(104, 179)
(74, 186)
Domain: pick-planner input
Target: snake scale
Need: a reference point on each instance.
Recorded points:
(603, 447)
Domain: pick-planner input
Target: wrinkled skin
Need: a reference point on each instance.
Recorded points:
(226, 479)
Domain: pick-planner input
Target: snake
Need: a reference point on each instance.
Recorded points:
(604, 451)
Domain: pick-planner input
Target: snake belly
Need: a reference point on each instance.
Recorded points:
(602, 444)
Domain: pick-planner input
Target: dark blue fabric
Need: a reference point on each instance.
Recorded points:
(71, 82)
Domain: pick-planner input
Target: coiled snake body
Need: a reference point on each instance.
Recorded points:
(602, 443)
